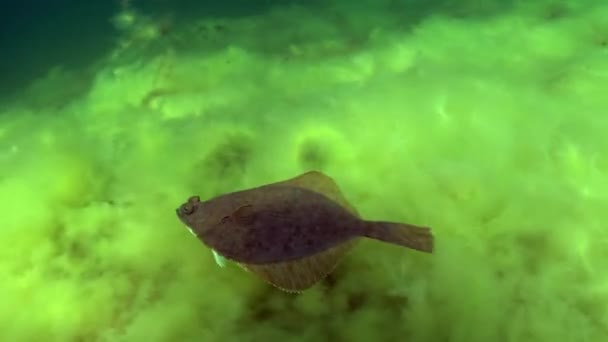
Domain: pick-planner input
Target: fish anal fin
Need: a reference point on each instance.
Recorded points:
(298, 275)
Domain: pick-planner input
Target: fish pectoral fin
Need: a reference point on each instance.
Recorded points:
(248, 214)
(219, 259)
(244, 215)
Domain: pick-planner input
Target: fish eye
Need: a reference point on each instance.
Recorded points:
(189, 207)
(186, 209)
(194, 199)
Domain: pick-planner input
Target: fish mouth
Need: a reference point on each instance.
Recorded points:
(183, 220)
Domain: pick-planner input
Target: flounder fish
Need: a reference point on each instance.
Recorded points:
(291, 233)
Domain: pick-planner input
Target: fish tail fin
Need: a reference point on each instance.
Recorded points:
(403, 234)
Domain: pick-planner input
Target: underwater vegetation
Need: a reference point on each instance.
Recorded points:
(225, 163)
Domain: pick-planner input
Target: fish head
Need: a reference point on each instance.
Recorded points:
(192, 214)
(207, 221)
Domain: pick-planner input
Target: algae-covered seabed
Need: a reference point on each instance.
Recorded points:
(486, 123)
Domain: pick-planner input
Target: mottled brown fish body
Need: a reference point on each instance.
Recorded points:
(274, 223)
(291, 233)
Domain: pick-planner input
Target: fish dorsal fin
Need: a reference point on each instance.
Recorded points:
(318, 182)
